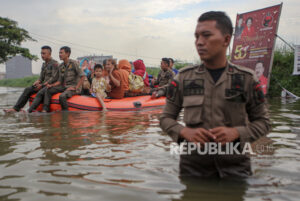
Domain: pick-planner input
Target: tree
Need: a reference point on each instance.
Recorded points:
(11, 37)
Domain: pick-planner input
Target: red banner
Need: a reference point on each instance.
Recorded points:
(254, 40)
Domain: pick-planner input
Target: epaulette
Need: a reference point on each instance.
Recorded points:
(61, 64)
(242, 68)
(54, 62)
(72, 61)
(187, 68)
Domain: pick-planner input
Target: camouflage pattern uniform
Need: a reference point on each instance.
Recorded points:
(49, 74)
(164, 78)
(69, 76)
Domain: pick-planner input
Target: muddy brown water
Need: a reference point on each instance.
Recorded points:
(126, 156)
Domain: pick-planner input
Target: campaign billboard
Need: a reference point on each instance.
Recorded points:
(254, 41)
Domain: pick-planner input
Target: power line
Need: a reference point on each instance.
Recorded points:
(62, 44)
(81, 50)
(98, 49)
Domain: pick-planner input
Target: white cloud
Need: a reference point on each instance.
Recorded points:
(145, 29)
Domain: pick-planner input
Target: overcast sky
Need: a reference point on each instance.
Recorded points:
(130, 29)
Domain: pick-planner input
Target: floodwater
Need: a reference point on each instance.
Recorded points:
(126, 156)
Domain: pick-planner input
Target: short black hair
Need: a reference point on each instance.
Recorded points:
(166, 60)
(171, 60)
(98, 66)
(249, 18)
(46, 47)
(66, 49)
(223, 22)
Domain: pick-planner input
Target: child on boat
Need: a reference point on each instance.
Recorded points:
(99, 85)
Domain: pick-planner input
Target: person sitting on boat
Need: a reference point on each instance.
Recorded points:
(125, 69)
(171, 66)
(105, 73)
(115, 79)
(70, 81)
(140, 69)
(49, 74)
(86, 85)
(99, 85)
(164, 77)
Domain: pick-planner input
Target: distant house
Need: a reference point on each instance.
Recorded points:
(95, 58)
(18, 67)
(2, 75)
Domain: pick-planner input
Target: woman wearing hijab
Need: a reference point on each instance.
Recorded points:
(125, 69)
(140, 69)
(115, 79)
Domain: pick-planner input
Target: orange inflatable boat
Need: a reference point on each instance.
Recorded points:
(87, 103)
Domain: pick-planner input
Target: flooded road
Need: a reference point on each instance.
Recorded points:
(126, 156)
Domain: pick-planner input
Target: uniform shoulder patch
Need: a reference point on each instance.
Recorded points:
(172, 90)
(187, 68)
(55, 63)
(71, 61)
(258, 93)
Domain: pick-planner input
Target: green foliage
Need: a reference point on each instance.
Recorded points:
(20, 82)
(153, 71)
(179, 65)
(11, 37)
(283, 65)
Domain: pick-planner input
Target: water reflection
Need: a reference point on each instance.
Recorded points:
(125, 156)
(213, 189)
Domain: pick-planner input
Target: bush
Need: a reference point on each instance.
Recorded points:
(283, 66)
(20, 82)
(153, 71)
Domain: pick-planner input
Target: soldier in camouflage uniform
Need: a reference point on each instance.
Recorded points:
(49, 74)
(164, 77)
(70, 81)
(223, 103)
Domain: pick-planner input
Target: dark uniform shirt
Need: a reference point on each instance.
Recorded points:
(70, 73)
(49, 72)
(235, 100)
(216, 73)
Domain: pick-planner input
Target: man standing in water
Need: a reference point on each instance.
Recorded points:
(70, 80)
(223, 104)
(49, 74)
